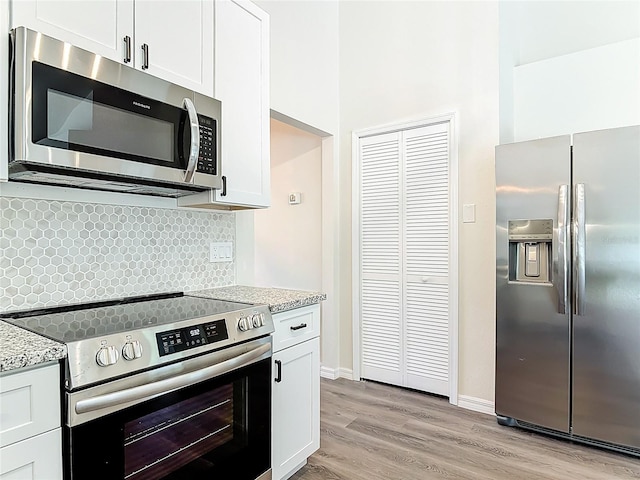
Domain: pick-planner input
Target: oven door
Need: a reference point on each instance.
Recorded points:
(215, 426)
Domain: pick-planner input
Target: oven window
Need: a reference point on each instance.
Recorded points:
(161, 442)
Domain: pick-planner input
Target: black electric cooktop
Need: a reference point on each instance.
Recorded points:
(76, 322)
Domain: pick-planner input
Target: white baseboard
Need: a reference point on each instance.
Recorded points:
(334, 373)
(476, 404)
(330, 373)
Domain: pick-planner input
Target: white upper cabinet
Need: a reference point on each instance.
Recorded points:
(99, 26)
(242, 85)
(177, 35)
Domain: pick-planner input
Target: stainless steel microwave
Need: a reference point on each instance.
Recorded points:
(81, 120)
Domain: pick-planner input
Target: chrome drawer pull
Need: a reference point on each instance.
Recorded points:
(298, 327)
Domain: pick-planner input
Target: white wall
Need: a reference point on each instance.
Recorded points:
(588, 90)
(288, 248)
(404, 60)
(304, 60)
(544, 44)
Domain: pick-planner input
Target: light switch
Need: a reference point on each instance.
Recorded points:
(469, 213)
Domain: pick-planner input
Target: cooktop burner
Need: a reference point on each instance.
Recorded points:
(83, 321)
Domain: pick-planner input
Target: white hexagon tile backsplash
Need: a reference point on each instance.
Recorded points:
(55, 253)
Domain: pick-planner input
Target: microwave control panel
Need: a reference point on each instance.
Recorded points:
(207, 154)
(191, 337)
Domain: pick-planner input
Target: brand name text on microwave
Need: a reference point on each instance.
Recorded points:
(138, 104)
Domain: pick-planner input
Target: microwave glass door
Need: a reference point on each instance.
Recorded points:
(80, 114)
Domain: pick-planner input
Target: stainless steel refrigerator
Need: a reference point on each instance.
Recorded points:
(568, 286)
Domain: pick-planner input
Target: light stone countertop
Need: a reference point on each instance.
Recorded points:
(278, 299)
(21, 348)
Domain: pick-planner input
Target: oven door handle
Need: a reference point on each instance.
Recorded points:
(150, 390)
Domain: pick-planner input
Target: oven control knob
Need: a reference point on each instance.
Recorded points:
(243, 324)
(256, 321)
(132, 350)
(107, 355)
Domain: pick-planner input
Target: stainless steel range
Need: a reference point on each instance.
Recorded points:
(163, 387)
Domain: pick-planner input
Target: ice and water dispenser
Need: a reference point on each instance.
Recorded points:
(530, 250)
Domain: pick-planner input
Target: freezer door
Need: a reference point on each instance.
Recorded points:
(606, 355)
(532, 323)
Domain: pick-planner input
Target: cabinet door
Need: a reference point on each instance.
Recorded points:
(179, 39)
(242, 85)
(98, 26)
(36, 458)
(295, 432)
(29, 403)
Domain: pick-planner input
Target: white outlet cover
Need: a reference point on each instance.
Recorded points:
(220, 252)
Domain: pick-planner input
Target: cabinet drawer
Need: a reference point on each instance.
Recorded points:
(29, 403)
(36, 458)
(296, 326)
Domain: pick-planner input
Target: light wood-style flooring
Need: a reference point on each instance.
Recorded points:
(371, 431)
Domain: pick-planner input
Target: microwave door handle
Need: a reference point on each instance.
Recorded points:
(195, 140)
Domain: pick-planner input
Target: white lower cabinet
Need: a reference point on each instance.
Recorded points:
(30, 434)
(36, 458)
(295, 433)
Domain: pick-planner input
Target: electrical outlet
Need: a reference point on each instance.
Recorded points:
(220, 252)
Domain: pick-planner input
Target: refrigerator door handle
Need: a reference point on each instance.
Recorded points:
(561, 266)
(579, 241)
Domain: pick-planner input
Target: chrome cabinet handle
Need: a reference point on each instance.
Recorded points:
(279, 370)
(224, 186)
(579, 249)
(150, 390)
(298, 327)
(562, 249)
(127, 49)
(195, 139)
(145, 56)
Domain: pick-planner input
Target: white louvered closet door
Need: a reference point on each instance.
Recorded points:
(404, 267)
(381, 269)
(426, 258)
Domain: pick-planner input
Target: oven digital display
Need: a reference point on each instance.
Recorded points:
(191, 337)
